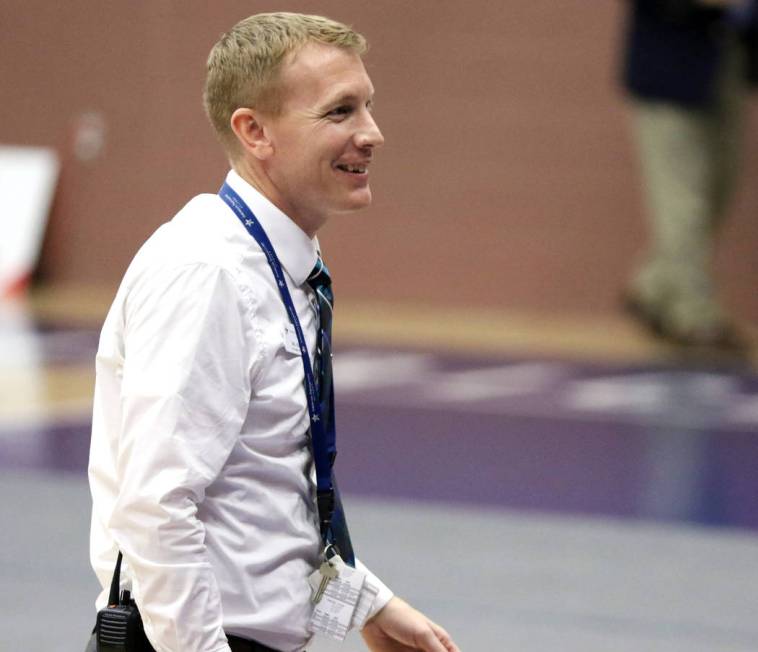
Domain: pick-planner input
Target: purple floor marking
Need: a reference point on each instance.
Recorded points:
(528, 463)
(686, 457)
(61, 345)
(55, 448)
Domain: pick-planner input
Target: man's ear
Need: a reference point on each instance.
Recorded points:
(251, 134)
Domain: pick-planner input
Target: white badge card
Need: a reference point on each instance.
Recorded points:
(291, 345)
(335, 595)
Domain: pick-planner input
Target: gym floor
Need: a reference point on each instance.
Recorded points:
(531, 483)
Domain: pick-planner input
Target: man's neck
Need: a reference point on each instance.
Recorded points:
(263, 185)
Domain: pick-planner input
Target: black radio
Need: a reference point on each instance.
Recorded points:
(119, 625)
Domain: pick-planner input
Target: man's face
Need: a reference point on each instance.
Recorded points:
(323, 138)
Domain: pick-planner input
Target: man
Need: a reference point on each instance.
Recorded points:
(686, 66)
(201, 462)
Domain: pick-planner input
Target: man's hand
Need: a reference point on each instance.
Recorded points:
(398, 627)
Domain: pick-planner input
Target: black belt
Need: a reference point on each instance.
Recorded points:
(244, 645)
(235, 642)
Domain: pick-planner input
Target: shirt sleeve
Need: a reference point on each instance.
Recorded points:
(185, 395)
(383, 593)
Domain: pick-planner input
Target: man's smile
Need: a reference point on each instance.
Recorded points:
(353, 168)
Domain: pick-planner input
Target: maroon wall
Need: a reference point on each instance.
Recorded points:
(508, 177)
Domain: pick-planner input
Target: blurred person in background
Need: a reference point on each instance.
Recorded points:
(206, 402)
(687, 68)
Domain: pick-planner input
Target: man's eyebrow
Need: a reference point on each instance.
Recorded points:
(348, 98)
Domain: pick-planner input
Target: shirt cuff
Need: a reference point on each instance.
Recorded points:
(383, 593)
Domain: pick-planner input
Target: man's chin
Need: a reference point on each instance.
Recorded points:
(357, 200)
(351, 202)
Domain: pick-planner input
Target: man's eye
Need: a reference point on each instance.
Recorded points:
(340, 111)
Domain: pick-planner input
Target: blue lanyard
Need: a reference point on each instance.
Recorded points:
(324, 440)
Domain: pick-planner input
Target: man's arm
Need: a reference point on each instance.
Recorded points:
(184, 398)
(398, 627)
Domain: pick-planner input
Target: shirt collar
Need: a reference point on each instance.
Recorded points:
(296, 251)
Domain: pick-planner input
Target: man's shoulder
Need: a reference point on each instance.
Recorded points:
(200, 233)
(202, 239)
(203, 216)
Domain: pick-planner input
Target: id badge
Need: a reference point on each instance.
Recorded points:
(336, 591)
(291, 345)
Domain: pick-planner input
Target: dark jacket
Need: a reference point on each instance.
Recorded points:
(674, 49)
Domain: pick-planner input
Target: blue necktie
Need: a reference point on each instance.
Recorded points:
(337, 532)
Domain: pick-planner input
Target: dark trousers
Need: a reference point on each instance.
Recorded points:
(237, 645)
(243, 645)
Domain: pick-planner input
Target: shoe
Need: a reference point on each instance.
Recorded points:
(712, 331)
(643, 313)
(718, 335)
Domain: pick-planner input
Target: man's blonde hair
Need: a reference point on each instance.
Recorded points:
(243, 67)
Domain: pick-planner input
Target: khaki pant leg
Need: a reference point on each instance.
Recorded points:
(727, 130)
(678, 180)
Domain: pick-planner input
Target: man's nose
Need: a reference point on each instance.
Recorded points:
(368, 134)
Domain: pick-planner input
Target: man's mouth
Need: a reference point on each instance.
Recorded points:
(352, 169)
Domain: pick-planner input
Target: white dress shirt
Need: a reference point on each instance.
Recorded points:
(200, 465)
